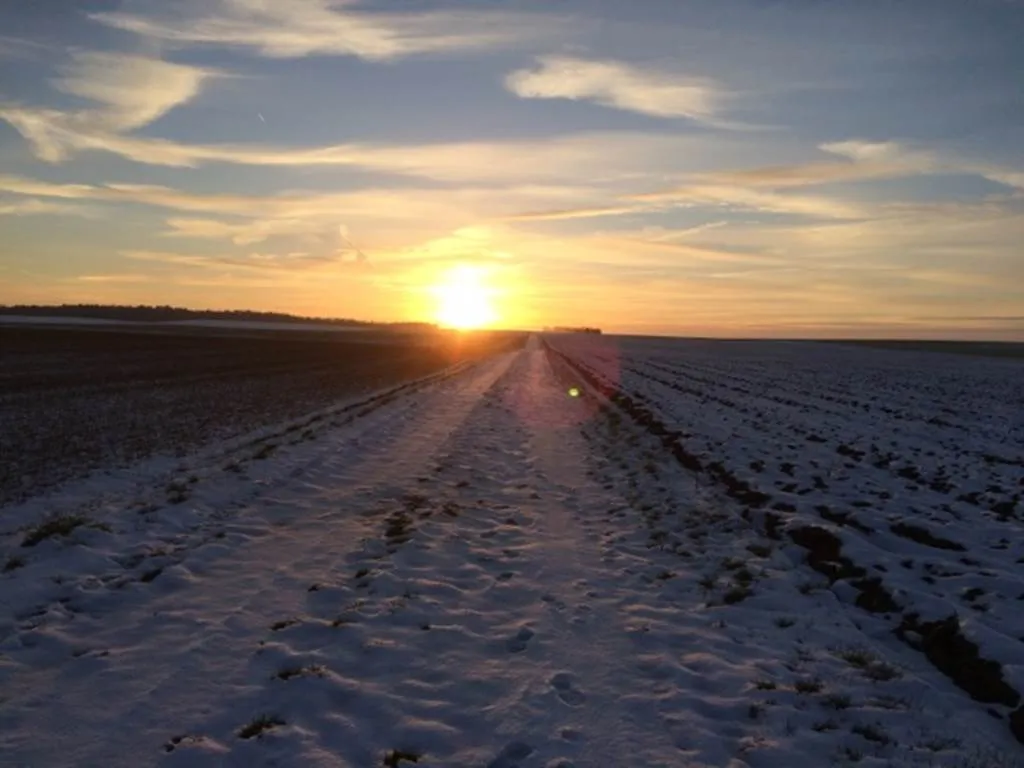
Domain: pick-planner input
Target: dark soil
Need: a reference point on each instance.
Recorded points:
(73, 400)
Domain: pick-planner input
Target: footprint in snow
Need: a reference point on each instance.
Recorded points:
(562, 682)
(517, 643)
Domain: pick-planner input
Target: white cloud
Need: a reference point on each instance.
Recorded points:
(33, 206)
(598, 157)
(132, 91)
(704, 194)
(258, 261)
(127, 92)
(375, 219)
(619, 85)
(865, 151)
(116, 278)
(296, 28)
(903, 160)
(758, 200)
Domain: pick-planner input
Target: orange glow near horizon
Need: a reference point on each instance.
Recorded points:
(464, 299)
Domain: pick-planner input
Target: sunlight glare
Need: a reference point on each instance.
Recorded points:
(464, 300)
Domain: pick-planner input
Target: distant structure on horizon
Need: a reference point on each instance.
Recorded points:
(570, 329)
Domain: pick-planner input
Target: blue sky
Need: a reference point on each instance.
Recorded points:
(781, 167)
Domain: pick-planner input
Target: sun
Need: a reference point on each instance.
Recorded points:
(464, 298)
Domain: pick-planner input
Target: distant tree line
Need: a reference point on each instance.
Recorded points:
(571, 329)
(143, 313)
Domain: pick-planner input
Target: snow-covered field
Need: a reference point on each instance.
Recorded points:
(699, 561)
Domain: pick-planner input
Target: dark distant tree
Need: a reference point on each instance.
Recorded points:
(142, 313)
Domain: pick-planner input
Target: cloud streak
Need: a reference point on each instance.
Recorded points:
(299, 28)
(132, 91)
(617, 85)
(254, 261)
(35, 207)
(126, 92)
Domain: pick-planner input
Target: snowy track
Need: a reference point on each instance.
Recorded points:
(473, 572)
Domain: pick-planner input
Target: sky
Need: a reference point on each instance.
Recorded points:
(779, 168)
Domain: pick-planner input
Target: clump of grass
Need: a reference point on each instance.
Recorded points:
(857, 657)
(940, 743)
(413, 501)
(851, 754)
(658, 539)
(57, 525)
(825, 725)
(743, 576)
(882, 672)
(13, 563)
(890, 702)
(872, 667)
(177, 493)
(283, 624)
(761, 550)
(784, 622)
(872, 732)
(399, 528)
(301, 671)
(836, 701)
(813, 685)
(707, 582)
(765, 685)
(265, 452)
(259, 725)
(396, 757)
(737, 594)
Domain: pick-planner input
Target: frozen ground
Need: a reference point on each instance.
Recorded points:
(476, 569)
(76, 399)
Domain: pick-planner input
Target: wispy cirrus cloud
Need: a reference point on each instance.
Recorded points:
(565, 214)
(127, 101)
(778, 189)
(746, 198)
(125, 91)
(130, 91)
(18, 48)
(259, 261)
(903, 160)
(34, 206)
(618, 85)
(124, 278)
(719, 196)
(300, 28)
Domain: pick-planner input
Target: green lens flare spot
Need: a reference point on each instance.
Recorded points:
(574, 392)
